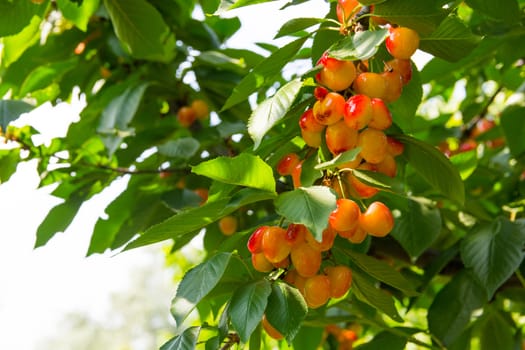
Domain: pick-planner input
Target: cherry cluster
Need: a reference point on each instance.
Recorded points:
(350, 113)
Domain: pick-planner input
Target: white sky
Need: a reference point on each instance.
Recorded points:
(38, 287)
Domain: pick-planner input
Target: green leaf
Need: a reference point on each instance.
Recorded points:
(384, 340)
(11, 110)
(272, 110)
(141, 28)
(381, 271)
(405, 107)
(186, 221)
(507, 11)
(496, 332)
(118, 114)
(46, 74)
(263, 73)
(434, 167)
(196, 284)
(379, 180)
(15, 45)
(513, 125)
(365, 291)
(9, 160)
(451, 311)
(422, 16)
(244, 170)
(18, 14)
(79, 14)
(296, 24)
(341, 158)
(310, 206)
(184, 147)
(226, 5)
(418, 225)
(286, 309)
(494, 251)
(187, 340)
(57, 220)
(452, 40)
(465, 162)
(360, 46)
(247, 307)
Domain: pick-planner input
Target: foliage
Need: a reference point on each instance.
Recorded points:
(451, 273)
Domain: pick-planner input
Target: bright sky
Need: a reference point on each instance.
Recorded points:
(38, 287)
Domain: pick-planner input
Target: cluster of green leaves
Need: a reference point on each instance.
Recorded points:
(456, 252)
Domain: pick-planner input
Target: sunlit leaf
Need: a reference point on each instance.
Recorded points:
(360, 46)
(187, 340)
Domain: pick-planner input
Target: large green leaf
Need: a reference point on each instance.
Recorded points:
(286, 309)
(494, 251)
(244, 170)
(434, 167)
(310, 206)
(385, 340)
(196, 284)
(272, 110)
(17, 14)
(452, 308)
(247, 307)
(418, 225)
(513, 125)
(296, 24)
(15, 45)
(360, 46)
(44, 75)
(452, 40)
(58, 219)
(423, 16)
(187, 340)
(465, 162)
(11, 110)
(263, 73)
(79, 14)
(367, 292)
(141, 28)
(9, 160)
(507, 11)
(184, 147)
(381, 271)
(496, 331)
(118, 114)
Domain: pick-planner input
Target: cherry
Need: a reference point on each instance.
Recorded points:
(255, 241)
(270, 330)
(377, 220)
(381, 116)
(340, 138)
(403, 67)
(340, 280)
(393, 86)
(330, 109)
(345, 9)
(186, 116)
(373, 145)
(345, 216)
(287, 163)
(317, 291)
(335, 74)
(201, 109)
(309, 123)
(358, 111)
(370, 84)
(306, 259)
(274, 244)
(402, 42)
(260, 263)
(228, 225)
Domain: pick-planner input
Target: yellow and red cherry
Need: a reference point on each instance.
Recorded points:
(308, 122)
(335, 74)
(287, 163)
(186, 116)
(377, 220)
(373, 145)
(381, 116)
(330, 109)
(358, 111)
(370, 84)
(345, 216)
(403, 67)
(402, 42)
(340, 138)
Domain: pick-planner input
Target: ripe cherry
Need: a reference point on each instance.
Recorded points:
(394, 147)
(201, 109)
(317, 291)
(370, 84)
(373, 145)
(377, 220)
(274, 244)
(309, 123)
(287, 163)
(345, 216)
(393, 86)
(330, 109)
(403, 67)
(260, 263)
(345, 9)
(340, 138)
(270, 330)
(381, 116)
(255, 241)
(402, 42)
(228, 225)
(358, 111)
(186, 116)
(306, 259)
(340, 280)
(335, 74)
